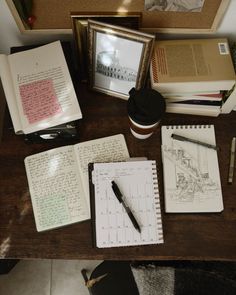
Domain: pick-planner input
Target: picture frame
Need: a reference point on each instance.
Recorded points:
(111, 70)
(130, 20)
(57, 19)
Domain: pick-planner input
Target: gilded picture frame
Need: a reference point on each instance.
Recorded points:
(80, 25)
(112, 70)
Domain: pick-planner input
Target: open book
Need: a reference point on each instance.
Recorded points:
(58, 179)
(191, 170)
(38, 88)
(137, 181)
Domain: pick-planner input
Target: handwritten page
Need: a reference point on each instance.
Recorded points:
(107, 149)
(56, 188)
(39, 100)
(138, 184)
(191, 171)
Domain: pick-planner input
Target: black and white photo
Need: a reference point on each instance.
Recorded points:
(119, 58)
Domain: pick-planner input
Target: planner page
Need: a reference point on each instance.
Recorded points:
(138, 183)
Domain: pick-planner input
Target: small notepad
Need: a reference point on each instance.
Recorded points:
(191, 171)
(138, 182)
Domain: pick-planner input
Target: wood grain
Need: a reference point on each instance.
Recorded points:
(186, 236)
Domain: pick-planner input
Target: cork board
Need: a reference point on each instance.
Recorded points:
(51, 16)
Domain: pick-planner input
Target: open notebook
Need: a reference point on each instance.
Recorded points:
(58, 179)
(137, 181)
(191, 171)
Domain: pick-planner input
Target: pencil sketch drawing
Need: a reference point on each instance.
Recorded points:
(174, 5)
(192, 177)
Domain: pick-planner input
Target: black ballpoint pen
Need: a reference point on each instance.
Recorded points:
(119, 196)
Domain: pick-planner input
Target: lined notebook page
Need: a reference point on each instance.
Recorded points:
(191, 171)
(138, 183)
(56, 189)
(107, 149)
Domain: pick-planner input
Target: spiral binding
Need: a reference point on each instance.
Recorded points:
(189, 126)
(157, 202)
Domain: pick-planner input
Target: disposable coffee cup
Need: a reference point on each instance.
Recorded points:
(145, 107)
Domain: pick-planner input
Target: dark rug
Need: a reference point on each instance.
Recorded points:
(165, 278)
(186, 277)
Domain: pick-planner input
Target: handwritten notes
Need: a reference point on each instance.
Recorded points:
(108, 149)
(58, 179)
(56, 186)
(39, 100)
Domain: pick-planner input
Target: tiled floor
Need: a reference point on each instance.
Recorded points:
(46, 277)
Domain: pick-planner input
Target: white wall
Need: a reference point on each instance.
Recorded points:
(10, 35)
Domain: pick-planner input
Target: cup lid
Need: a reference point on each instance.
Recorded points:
(146, 106)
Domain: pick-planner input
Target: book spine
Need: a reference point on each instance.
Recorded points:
(157, 203)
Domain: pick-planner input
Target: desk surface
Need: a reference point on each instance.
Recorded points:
(187, 236)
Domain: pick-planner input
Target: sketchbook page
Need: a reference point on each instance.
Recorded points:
(138, 183)
(55, 188)
(44, 91)
(8, 88)
(106, 149)
(191, 171)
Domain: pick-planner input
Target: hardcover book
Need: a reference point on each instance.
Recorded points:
(192, 65)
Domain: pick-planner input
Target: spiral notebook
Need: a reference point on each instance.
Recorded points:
(190, 170)
(138, 183)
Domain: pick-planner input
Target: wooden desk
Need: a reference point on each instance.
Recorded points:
(187, 236)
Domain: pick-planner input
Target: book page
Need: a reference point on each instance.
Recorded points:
(107, 149)
(44, 91)
(191, 171)
(56, 188)
(137, 182)
(8, 88)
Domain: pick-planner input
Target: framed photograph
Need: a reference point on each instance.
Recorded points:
(130, 20)
(119, 58)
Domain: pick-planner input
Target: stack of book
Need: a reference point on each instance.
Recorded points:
(193, 75)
